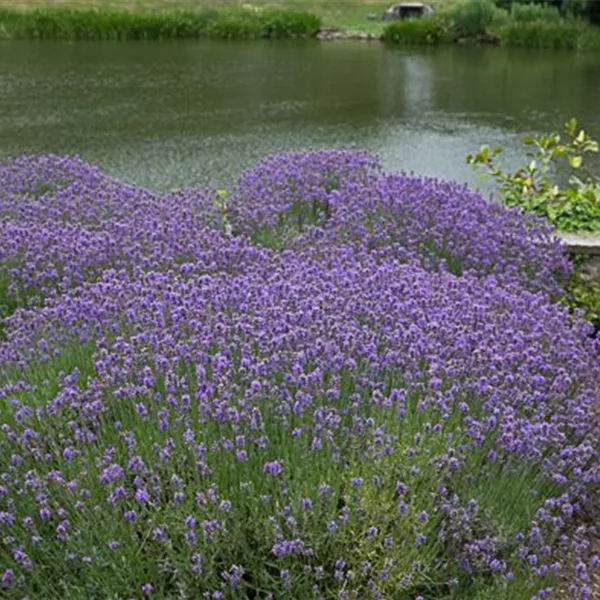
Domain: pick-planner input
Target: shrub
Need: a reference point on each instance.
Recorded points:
(534, 188)
(428, 30)
(583, 293)
(476, 17)
(303, 413)
(63, 222)
(589, 39)
(289, 24)
(528, 13)
(440, 225)
(539, 34)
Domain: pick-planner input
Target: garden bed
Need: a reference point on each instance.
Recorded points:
(329, 382)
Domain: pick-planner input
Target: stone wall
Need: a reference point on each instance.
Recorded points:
(586, 245)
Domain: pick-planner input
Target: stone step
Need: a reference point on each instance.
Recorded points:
(580, 243)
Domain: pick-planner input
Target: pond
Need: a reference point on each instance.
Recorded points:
(168, 115)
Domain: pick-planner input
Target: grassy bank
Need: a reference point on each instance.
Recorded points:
(481, 21)
(68, 23)
(352, 15)
(346, 16)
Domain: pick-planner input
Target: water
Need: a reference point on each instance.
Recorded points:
(168, 115)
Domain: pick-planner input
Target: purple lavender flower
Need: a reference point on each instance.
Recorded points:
(130, 516)
(142, 496)
(273, 468)
(7, 578)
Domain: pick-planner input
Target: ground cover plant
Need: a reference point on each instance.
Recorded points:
(330, 382)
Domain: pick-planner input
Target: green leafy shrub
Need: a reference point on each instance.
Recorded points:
(534, 188)
(528, 13)
(476, 17)
(540, 34)
(589, 39)
(289, 24)
(572, 207)
(426, 31)
(583, 293)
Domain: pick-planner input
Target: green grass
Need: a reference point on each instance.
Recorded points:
(347, 16)
(589, 39)
(67, 23)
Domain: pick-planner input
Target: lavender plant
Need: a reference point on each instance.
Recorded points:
(378, 405)
(324, 199)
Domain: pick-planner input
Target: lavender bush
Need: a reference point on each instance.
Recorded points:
(63, 223)
(383, 402)
(435, 223)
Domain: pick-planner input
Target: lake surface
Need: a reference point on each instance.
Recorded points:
(169, 115)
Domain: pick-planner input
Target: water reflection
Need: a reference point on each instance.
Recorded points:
(174, 114)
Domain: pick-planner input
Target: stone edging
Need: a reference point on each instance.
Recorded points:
(580, 243)
(583, 244)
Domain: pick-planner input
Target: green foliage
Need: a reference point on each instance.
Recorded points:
(289, 24)
(277, 24)
(589, 39)
(571, 207)
(429, 31)
(292, 223)
(105, 24)
(8, 304)
(235, 27)
(73, 24)
(540, 34)
(583, 293)
(477, 17)
(502, 490)
(534, 188)
(593, 12)
(528, 13)
(581, 8)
